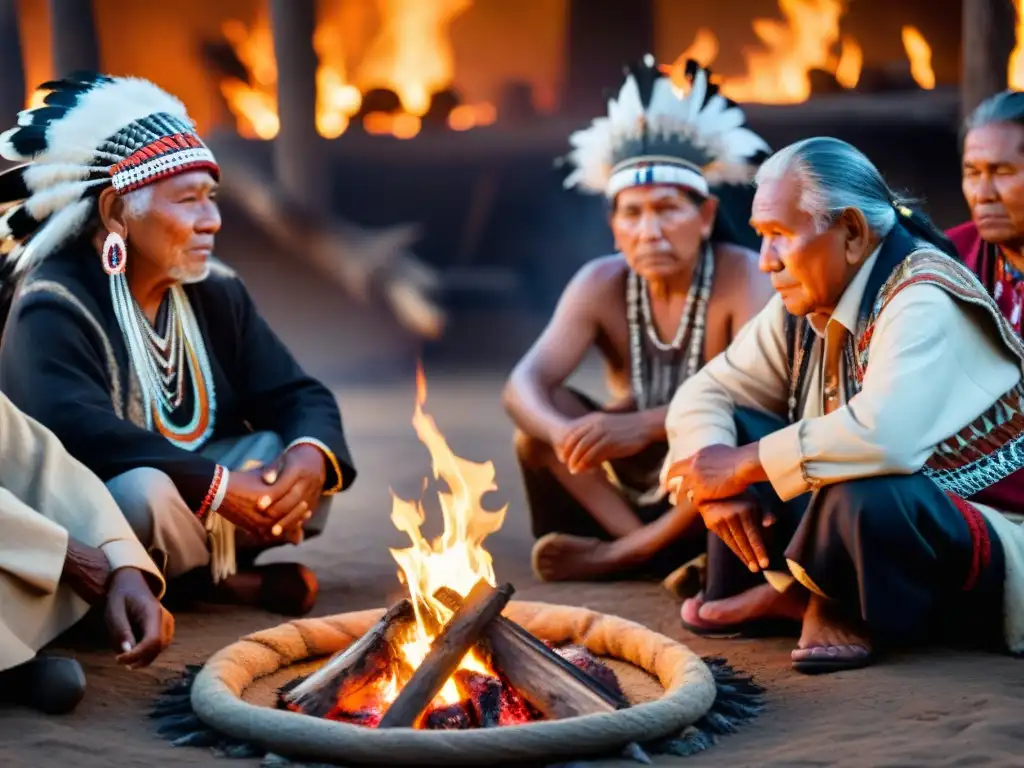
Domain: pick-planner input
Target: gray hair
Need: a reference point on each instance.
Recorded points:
(1005, 107)
(139, 200)
(833, 177)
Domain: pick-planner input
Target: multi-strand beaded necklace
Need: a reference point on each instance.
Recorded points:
(163, 362)
(654, 384)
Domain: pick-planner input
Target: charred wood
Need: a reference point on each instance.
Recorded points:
(483, 604)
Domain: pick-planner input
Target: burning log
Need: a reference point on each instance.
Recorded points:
(346, 672)
(460, 634)
(551, 684)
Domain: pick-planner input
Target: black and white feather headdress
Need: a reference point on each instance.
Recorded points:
(655, 133)
(92, 131)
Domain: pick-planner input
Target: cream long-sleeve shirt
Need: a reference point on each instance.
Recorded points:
(46, 496)
(933, 367)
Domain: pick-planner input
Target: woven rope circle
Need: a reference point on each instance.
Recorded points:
(217, 695)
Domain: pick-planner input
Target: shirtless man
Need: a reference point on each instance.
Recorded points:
(672, 298)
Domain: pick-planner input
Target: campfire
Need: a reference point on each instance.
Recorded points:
(444, 658)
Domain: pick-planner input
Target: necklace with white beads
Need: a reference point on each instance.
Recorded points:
(692, 323)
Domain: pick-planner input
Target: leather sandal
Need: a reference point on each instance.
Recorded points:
(824, 659)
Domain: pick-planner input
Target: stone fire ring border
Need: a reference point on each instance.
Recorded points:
(690, 692)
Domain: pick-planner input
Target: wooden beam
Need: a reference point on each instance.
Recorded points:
(73, 37)
(481, 606)
(989, 36)
(12, 82)
(603, 37)
(297, 164)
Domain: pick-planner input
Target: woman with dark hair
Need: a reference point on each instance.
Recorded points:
(674, 296)
(992, 242)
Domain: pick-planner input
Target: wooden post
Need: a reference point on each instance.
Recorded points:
(299, 167)
(12, 81)
(481, 606)
(603, 37)
(73, 37)
(989, 35)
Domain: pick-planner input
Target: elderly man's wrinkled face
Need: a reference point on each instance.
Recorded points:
(993, 181)
(173, 230)
(809, 268)
(660, 228)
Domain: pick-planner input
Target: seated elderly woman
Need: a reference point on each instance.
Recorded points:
(992, 242)
(65, 546)
(860, 433)
(148, 360)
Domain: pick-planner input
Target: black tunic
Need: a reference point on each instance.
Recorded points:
(60, 368)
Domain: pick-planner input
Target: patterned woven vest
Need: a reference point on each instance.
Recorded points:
(991, 448)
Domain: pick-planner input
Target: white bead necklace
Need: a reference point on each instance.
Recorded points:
(638, 302)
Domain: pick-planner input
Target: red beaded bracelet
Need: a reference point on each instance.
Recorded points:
(218, 475)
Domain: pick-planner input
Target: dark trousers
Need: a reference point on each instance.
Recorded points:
(893, 550)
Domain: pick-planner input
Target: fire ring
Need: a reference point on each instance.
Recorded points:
(692, 688)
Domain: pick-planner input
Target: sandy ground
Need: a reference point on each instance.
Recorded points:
(937, 708)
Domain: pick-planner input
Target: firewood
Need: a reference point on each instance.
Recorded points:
(459, 635)
(551, 684)
(351, 668)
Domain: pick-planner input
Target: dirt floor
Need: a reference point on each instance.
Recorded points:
(935, 708)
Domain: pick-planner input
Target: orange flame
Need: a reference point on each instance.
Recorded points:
(920, 55)
(1015, 70)
(411, 55)
(806, 40)
(456, 559)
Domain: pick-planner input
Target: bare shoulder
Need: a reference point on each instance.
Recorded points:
(599, 277)
(602, 271)
(736, 268)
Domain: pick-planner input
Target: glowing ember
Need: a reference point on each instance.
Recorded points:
(920, 55)
(410, 55)
(455, 559)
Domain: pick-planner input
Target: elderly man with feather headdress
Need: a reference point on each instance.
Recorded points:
(674, 295)
(148, 359)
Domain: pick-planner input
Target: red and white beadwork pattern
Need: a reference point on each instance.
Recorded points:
(164, 157)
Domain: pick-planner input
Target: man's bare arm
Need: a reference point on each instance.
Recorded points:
(558, 351)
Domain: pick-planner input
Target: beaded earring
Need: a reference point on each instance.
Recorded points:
(115, 255)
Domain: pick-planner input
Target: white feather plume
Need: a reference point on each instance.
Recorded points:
(100, 113)
(710, 124)
(63, 225)
(40, 177)
(52, 199)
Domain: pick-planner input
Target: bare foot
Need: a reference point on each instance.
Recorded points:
(287, 588)
(563, 557)
(760, 602)
(830, 641)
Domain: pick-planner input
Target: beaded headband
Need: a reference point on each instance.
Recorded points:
(92, 131)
